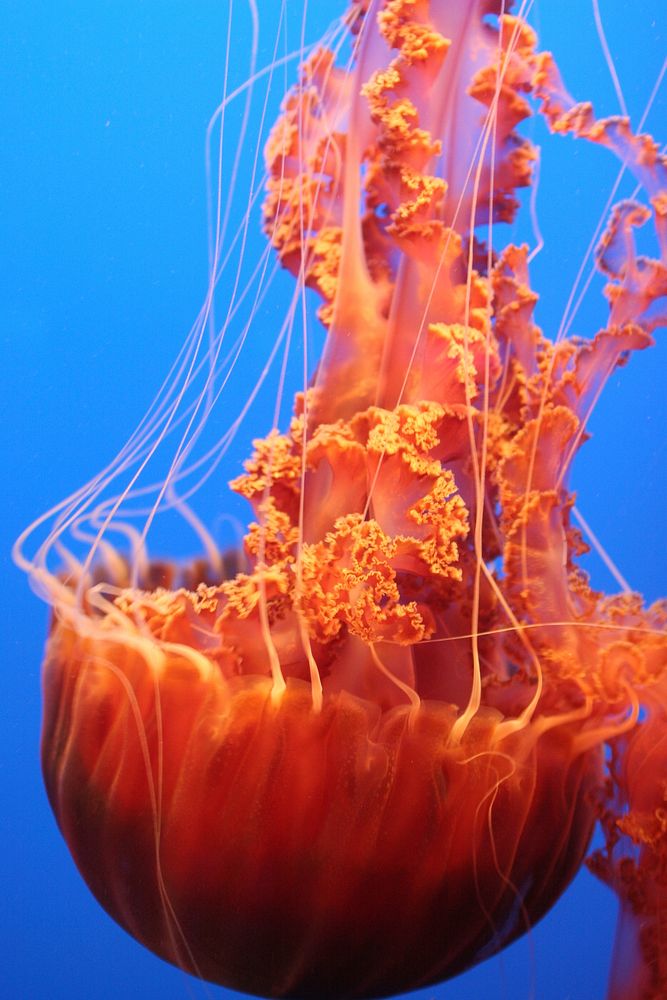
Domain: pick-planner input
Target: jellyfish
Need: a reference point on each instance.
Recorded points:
(366, 749)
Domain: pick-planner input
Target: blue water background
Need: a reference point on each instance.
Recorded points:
(103, 111)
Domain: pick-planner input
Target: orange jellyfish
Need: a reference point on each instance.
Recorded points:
(368, 750)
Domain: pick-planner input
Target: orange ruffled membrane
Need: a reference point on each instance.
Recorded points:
(376, 756)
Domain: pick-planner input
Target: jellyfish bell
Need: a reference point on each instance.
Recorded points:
(340, 853)
(368, 751)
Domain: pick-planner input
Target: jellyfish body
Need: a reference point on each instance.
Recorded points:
(347, 852)
(376, 757)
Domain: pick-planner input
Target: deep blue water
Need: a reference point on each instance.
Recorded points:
(103, 230)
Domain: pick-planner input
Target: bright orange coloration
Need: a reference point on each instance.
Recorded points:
(376, 756)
